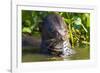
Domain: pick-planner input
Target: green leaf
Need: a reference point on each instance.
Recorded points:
(26, 29)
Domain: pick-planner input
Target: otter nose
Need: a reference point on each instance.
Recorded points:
(62, 34)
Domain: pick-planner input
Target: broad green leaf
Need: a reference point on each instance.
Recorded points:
(26, 29)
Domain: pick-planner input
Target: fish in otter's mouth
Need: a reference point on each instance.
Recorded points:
(61, 48)
(54, 35)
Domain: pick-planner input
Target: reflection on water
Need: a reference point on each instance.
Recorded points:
(33, 55)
